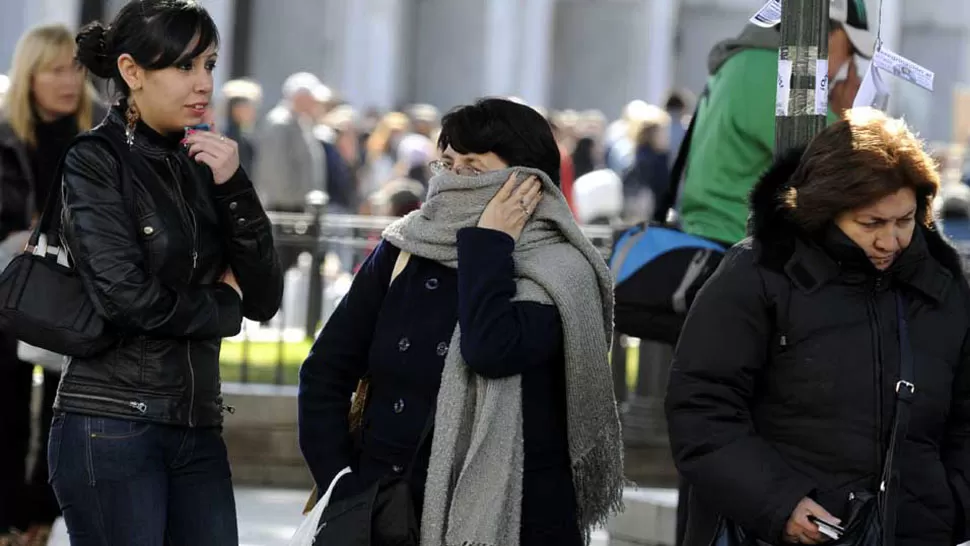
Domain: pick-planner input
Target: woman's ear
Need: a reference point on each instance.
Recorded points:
(133, 74)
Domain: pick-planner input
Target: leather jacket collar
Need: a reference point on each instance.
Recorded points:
(147, 141)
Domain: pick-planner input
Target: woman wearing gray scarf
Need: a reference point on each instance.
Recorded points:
(499, 327)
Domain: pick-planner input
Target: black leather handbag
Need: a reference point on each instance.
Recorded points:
(871, 519)
(381, 515)
(42, 299)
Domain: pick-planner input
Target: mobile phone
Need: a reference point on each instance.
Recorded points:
(199, 127)
(830, 530)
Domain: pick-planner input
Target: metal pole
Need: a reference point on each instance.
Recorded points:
(802, 100)
(316, 201)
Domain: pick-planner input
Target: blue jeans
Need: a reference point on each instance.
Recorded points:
(127, 483)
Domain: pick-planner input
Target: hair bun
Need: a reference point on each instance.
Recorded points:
(92, 50)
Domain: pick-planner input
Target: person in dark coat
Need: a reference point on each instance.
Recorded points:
(400, 336)
(782, 390)
(49, 102)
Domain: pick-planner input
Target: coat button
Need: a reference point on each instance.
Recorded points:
(399, 406)
(397, 469)
(148, 230)
(431, 284)
(240, 221)
(404, 344)
(442, 349)
(233, 206)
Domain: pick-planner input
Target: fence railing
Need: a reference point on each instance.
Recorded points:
(333, 245)
(330, 247)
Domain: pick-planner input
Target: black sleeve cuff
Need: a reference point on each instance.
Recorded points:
(238, 183)
(486, 241)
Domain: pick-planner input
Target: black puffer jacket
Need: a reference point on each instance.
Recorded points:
(152, 270)
(783, 381)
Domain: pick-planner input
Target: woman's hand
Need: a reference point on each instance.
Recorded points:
(230, 278)
(511, 208)
(799, 530)
(221, 154)
(843, 93)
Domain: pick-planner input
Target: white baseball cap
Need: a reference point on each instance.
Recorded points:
(854, 18)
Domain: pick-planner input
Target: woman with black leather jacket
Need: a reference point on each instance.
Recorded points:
(136, 451)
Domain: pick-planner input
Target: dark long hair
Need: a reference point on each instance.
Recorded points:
(156, 33)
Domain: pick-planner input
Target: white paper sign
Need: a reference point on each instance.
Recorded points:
(784, 87)
(822, 87)
(873, 91)
(903, 68)
(769, 15)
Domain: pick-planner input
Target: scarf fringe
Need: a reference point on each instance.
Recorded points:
(598, 481)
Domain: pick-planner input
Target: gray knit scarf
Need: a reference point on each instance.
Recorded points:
(473, 493)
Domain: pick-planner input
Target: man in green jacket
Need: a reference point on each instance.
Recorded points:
(734, 138)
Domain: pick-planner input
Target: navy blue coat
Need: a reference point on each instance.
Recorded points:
(400, 337)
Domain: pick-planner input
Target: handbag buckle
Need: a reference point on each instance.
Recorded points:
(909, 386)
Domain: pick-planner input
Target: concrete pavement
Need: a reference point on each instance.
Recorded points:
(267, 517)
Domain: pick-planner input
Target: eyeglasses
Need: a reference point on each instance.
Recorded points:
(438, 166)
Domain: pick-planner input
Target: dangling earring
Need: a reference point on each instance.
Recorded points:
(131, 117)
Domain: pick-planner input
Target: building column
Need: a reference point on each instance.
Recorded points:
(503, 47)
(656, 64)
(535, 51)
(373, 52)
(937, 36)
(20, 15)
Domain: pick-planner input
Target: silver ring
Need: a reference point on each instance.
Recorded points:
(222, 138)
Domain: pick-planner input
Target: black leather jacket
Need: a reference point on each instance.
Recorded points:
(152, 269)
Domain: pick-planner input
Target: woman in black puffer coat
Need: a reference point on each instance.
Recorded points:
(781, 394)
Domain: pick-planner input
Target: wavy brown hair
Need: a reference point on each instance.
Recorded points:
(856, 162)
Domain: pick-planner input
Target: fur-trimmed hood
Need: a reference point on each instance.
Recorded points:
(777, 235)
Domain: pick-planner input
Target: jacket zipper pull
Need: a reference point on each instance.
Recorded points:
(195, 259)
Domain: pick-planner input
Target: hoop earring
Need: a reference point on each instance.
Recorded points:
(131, 117)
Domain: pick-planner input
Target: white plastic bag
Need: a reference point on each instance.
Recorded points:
(51, 362)
(306, 534)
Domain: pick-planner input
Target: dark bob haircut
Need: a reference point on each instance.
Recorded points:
(514, 132)
(857, 161)
(156, 33)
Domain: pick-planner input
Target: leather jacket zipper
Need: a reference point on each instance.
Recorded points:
(188, 353)
(191, 222)
(140, 407)
(188, 217)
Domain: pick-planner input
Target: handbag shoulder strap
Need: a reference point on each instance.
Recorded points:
(50, 220)
(399, 264)
(680, 165)
(905, 390)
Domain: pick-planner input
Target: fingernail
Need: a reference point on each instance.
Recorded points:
(183, 141)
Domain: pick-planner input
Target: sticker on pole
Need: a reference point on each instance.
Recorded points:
(782, 96)
(903, 68)
(769, 15)
(821, 87)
